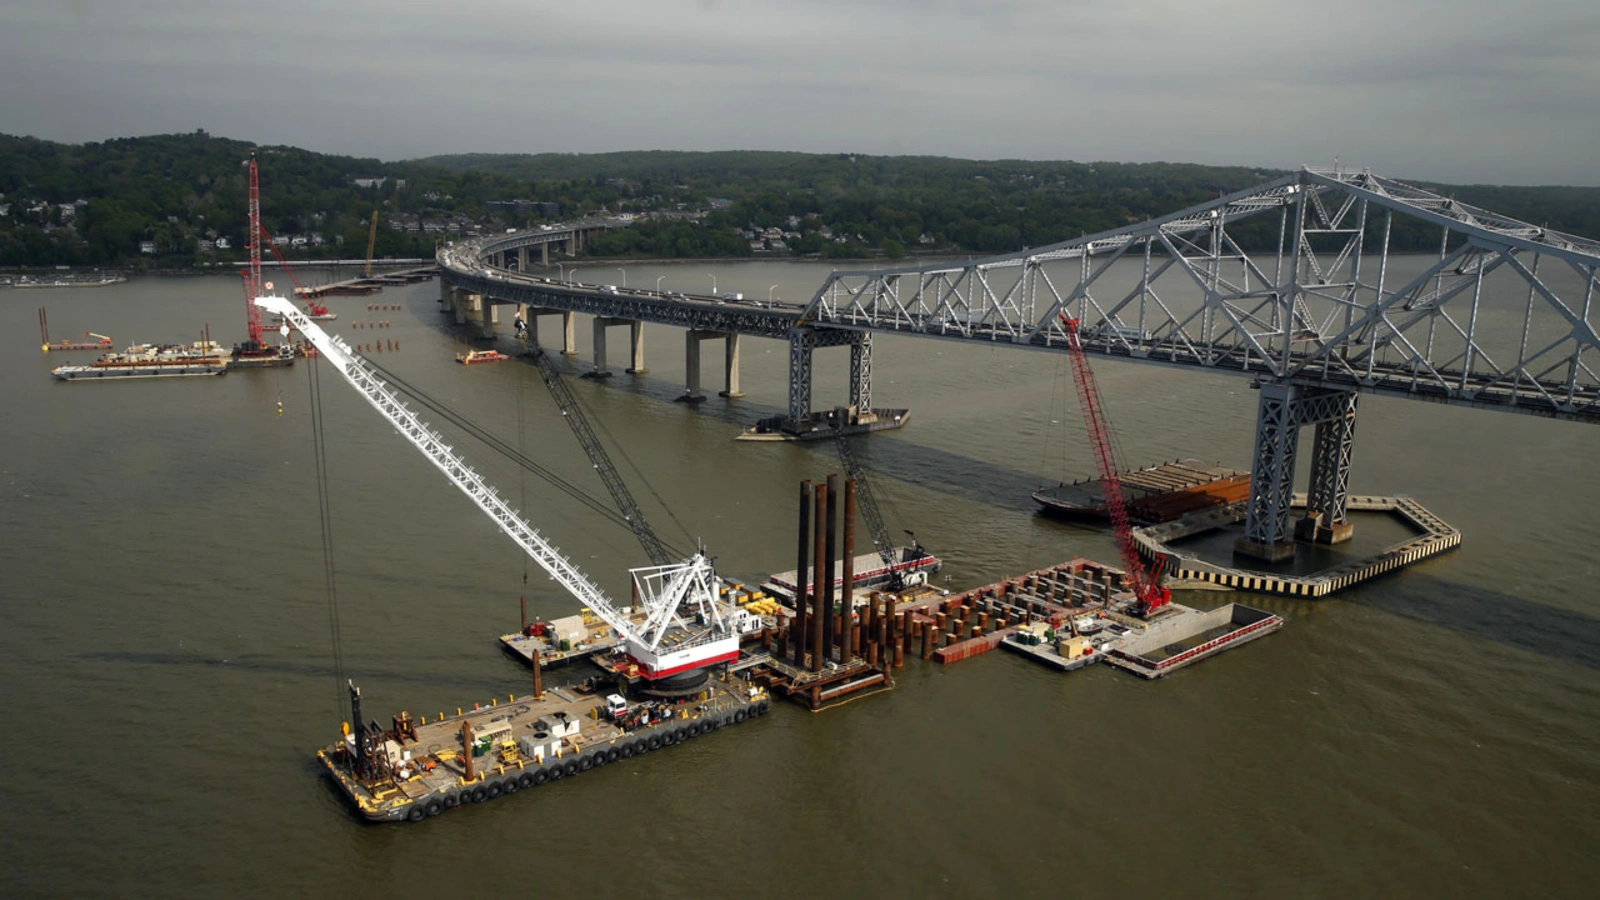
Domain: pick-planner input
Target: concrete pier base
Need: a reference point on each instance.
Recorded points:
(636, 346)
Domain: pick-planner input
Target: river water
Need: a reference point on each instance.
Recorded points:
(169, 671)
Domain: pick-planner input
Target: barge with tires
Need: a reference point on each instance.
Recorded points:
(421, 767)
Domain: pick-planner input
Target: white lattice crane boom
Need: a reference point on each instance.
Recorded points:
(667, 643)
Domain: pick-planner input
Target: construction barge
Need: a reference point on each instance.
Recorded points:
(678, 670)
(417, 769)
(825, 425)
(1158, 493)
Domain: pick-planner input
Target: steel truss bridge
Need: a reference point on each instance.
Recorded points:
(1292, 283)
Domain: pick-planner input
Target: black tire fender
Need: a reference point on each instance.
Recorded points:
(570, 769)
(739, 716)
(541, 776)
(493, 789)
(557, 772)
(479, 795)
(451, 801)
(525, 780)
(416, 813)
(510, 786)
(434, 808)
(585, 763)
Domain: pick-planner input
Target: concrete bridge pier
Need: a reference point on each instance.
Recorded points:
(463, 300)
(636, 347)
(445, 292)
(730, 368)
(691, 364)
(488, 316)
(600, 326)
(569, 331)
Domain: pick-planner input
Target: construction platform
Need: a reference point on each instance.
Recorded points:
(1068, 616)
(1434, 536)
(370, 284)
(821, 426)
(1156, 493)
(1176, 637)
(1186, 636)
(418, 769)
(912, 564)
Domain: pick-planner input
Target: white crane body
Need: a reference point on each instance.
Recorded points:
(669, 642)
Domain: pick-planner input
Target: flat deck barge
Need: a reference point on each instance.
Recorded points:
(825, 425)
(1158, 493)
(419, 768)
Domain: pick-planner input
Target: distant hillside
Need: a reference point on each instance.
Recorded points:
(176, 200)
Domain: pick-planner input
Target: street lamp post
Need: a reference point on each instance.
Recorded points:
(561, 272)
(713, 285)
(769, 294)
(624, 277)
(572, 273)
(658, 283)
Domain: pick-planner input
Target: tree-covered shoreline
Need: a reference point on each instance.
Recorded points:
(179, 201)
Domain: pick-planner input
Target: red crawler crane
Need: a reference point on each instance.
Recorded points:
(253, 284)
(252, 278)
(1146, 584)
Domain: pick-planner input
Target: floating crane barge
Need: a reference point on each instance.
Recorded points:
(419, 768)
(677, 669)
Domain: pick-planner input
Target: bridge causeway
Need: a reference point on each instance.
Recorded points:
(1307, 307)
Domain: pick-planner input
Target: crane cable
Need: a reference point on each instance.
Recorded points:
(325, 514)
(522, 447)
(509, 452)
(617, 445)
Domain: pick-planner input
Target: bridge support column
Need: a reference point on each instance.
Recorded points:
(600, 326)
(544, 254)
(636, 348)
(463, 300)
(522, 259)
(730, 368)
(691, 364)
(569, 334)
(802, 341)
(1281, 411)
(488, 316)
(861, 374)
(1327, 519)
(444, 294)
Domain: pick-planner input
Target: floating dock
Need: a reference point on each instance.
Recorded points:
(369, 284)
(825, 425)
(1434, 536)
(1184, 638)
(1156, 493)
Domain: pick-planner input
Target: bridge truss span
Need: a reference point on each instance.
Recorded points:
(1295, 280)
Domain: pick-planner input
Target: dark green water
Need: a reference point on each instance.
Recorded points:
(168, 673)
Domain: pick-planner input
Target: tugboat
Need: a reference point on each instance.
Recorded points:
(480, 356)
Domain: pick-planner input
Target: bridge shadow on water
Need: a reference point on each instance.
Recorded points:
(277, 667)
(1487, 615)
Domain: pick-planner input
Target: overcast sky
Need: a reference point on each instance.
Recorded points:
(1465, 91)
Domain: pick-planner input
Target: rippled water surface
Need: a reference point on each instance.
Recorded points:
(168, 670)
